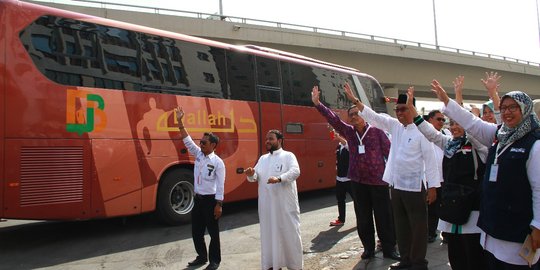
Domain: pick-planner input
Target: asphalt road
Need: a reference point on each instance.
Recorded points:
(140, 242)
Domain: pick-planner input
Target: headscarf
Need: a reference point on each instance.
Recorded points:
(488, 104)
(453, 145)
(507, 135)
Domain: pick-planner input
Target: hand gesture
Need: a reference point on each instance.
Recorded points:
(249, 171)
(458, 89)
(315, 93)
(475, 110)
(179, 114)
(491, 82)
(348, 92)
(410, 97)
(273, 180)
(437, 88)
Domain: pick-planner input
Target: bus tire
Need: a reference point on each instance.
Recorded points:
(175, 198)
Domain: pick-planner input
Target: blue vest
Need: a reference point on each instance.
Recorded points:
(342, 162)
(506, 206)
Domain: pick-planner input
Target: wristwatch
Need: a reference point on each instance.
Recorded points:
(279, 179)
(220, 203)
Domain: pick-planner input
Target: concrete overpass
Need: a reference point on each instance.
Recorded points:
(395, 63)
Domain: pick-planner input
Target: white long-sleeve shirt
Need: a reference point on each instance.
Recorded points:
(412, 157)
(209, 171)
(485, 133)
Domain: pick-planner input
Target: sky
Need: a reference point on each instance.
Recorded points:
(505, 28)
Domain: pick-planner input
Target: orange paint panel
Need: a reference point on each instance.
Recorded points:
(116, 159)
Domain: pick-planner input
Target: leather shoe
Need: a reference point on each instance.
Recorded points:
(212, 266)
(197, 261)
(367, 254)
(400, 265)
(392, 255)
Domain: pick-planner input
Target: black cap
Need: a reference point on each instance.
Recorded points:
(402, 99)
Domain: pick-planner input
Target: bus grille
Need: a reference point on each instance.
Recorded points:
(51, 175)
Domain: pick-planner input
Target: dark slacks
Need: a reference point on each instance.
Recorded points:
(433, 216)
(202, 219)
(465, 251)
(495, 264)
(410, 217)
(374, 201)
(342, 188)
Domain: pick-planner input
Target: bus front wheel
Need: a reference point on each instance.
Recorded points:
(175, 198)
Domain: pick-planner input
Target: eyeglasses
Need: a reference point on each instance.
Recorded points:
(203, 142)
(397, 110)
(353, 114)
(440, 119)
(511, 108)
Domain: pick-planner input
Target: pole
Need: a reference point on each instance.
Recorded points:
(435, 24)
(538, 18)
(221, 10)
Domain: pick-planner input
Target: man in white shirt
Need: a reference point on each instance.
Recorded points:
(410, 162)
(279, 212)
(209, 183)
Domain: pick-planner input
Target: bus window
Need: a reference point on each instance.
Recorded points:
(302, 81)
(241, 76)
(267, 72)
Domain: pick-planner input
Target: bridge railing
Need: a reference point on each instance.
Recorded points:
(241, 20)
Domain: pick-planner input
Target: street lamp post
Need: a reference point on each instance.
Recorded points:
(435, 24)
(221, 10)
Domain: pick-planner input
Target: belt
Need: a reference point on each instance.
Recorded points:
(201, 196)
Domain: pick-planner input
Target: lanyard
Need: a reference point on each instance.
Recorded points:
(360, 139)
(500, 153)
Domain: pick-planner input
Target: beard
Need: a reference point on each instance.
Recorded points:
(271, 148)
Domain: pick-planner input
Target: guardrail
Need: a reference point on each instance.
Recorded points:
(201, 15)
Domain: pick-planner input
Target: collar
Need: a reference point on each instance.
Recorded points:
(276, 151)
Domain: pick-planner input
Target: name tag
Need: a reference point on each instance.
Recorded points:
(517, 150)
(493, 172)
(361, 149)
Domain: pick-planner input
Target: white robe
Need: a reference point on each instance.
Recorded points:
(279, 212)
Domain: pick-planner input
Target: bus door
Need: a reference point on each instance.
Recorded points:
(269, 96)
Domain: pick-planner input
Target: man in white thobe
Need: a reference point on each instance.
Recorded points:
(279, 212)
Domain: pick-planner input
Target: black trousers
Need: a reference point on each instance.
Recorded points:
(465, 251)
(342, 188)
(202, 218)
(495, 264)
(374, 201)
(433, 216)
(410, 216)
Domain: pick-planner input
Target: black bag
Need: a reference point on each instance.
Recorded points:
(456, 203)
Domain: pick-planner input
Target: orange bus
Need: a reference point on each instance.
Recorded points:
(87, 124)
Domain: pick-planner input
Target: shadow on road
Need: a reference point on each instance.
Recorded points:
(49, 243)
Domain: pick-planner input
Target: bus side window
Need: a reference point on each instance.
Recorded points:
(241, 76)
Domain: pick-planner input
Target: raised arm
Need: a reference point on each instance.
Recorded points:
(458, 88)
(432, 134)
(437, 88)
(352, 98)
(179, 112)
(491, 83)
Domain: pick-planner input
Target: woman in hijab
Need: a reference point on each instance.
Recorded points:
(463, 165)
(510, 201)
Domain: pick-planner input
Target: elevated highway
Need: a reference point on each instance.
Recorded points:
(395, 63)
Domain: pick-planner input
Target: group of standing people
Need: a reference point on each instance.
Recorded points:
(397, 167)
(488, 156)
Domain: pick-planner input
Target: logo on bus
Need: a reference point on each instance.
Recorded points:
(82, 110)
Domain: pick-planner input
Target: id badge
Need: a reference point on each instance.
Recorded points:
(493, 172)
(361, 149)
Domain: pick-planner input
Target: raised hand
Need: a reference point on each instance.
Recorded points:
(491, 82)
(458, 89)
(315, 93)
(348, 92)
(437, 88)
(410, 97)
(179, 114)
